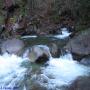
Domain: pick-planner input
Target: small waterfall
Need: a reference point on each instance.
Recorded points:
(64, 34)
(61, 71)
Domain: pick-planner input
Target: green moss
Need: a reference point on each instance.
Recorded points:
(55, 18)
(1, 19)
(23, 11)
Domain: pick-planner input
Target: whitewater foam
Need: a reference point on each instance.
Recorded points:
(11, 70)
(65, 34)
(62, 71)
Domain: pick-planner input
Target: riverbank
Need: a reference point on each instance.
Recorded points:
(42, 18)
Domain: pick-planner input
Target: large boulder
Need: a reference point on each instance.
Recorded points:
(54, 50)
(80, 44)
(86, 61)
(38, 53)
(12, 46)
(82, 83)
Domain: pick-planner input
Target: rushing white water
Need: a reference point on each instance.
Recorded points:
(29, 36)
(11, 71)
(65, 34)
(62, 71)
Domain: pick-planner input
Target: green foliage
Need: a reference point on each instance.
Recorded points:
(84, 10)
(23, 11)
(1, 4)
(79, 8)
(55, 18)
(23, 6)
(1, 19)
(80, 28)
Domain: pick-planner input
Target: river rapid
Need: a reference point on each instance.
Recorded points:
(18, 73)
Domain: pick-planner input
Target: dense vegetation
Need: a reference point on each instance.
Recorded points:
(36, 16)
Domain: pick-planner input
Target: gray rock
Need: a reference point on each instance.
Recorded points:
(39, 53)
(54, 50)
(12, 46)
(80, 44)
(39, 82)
(85, 61)
(82, 83)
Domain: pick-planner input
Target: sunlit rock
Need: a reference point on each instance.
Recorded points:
(38, 53)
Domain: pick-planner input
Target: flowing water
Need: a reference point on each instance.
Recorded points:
(60, 72)
(17, 73)
(64, 34)
(10, 71)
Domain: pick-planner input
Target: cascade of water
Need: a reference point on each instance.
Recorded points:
(11, 71)
(62, 71)
(65, 34)
(59, 71)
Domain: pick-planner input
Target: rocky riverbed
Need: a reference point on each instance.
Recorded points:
(44, 44)
(59, 71)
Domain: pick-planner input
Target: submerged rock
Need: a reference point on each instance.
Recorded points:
(39, 53)
(12, 46)
(39, 82)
